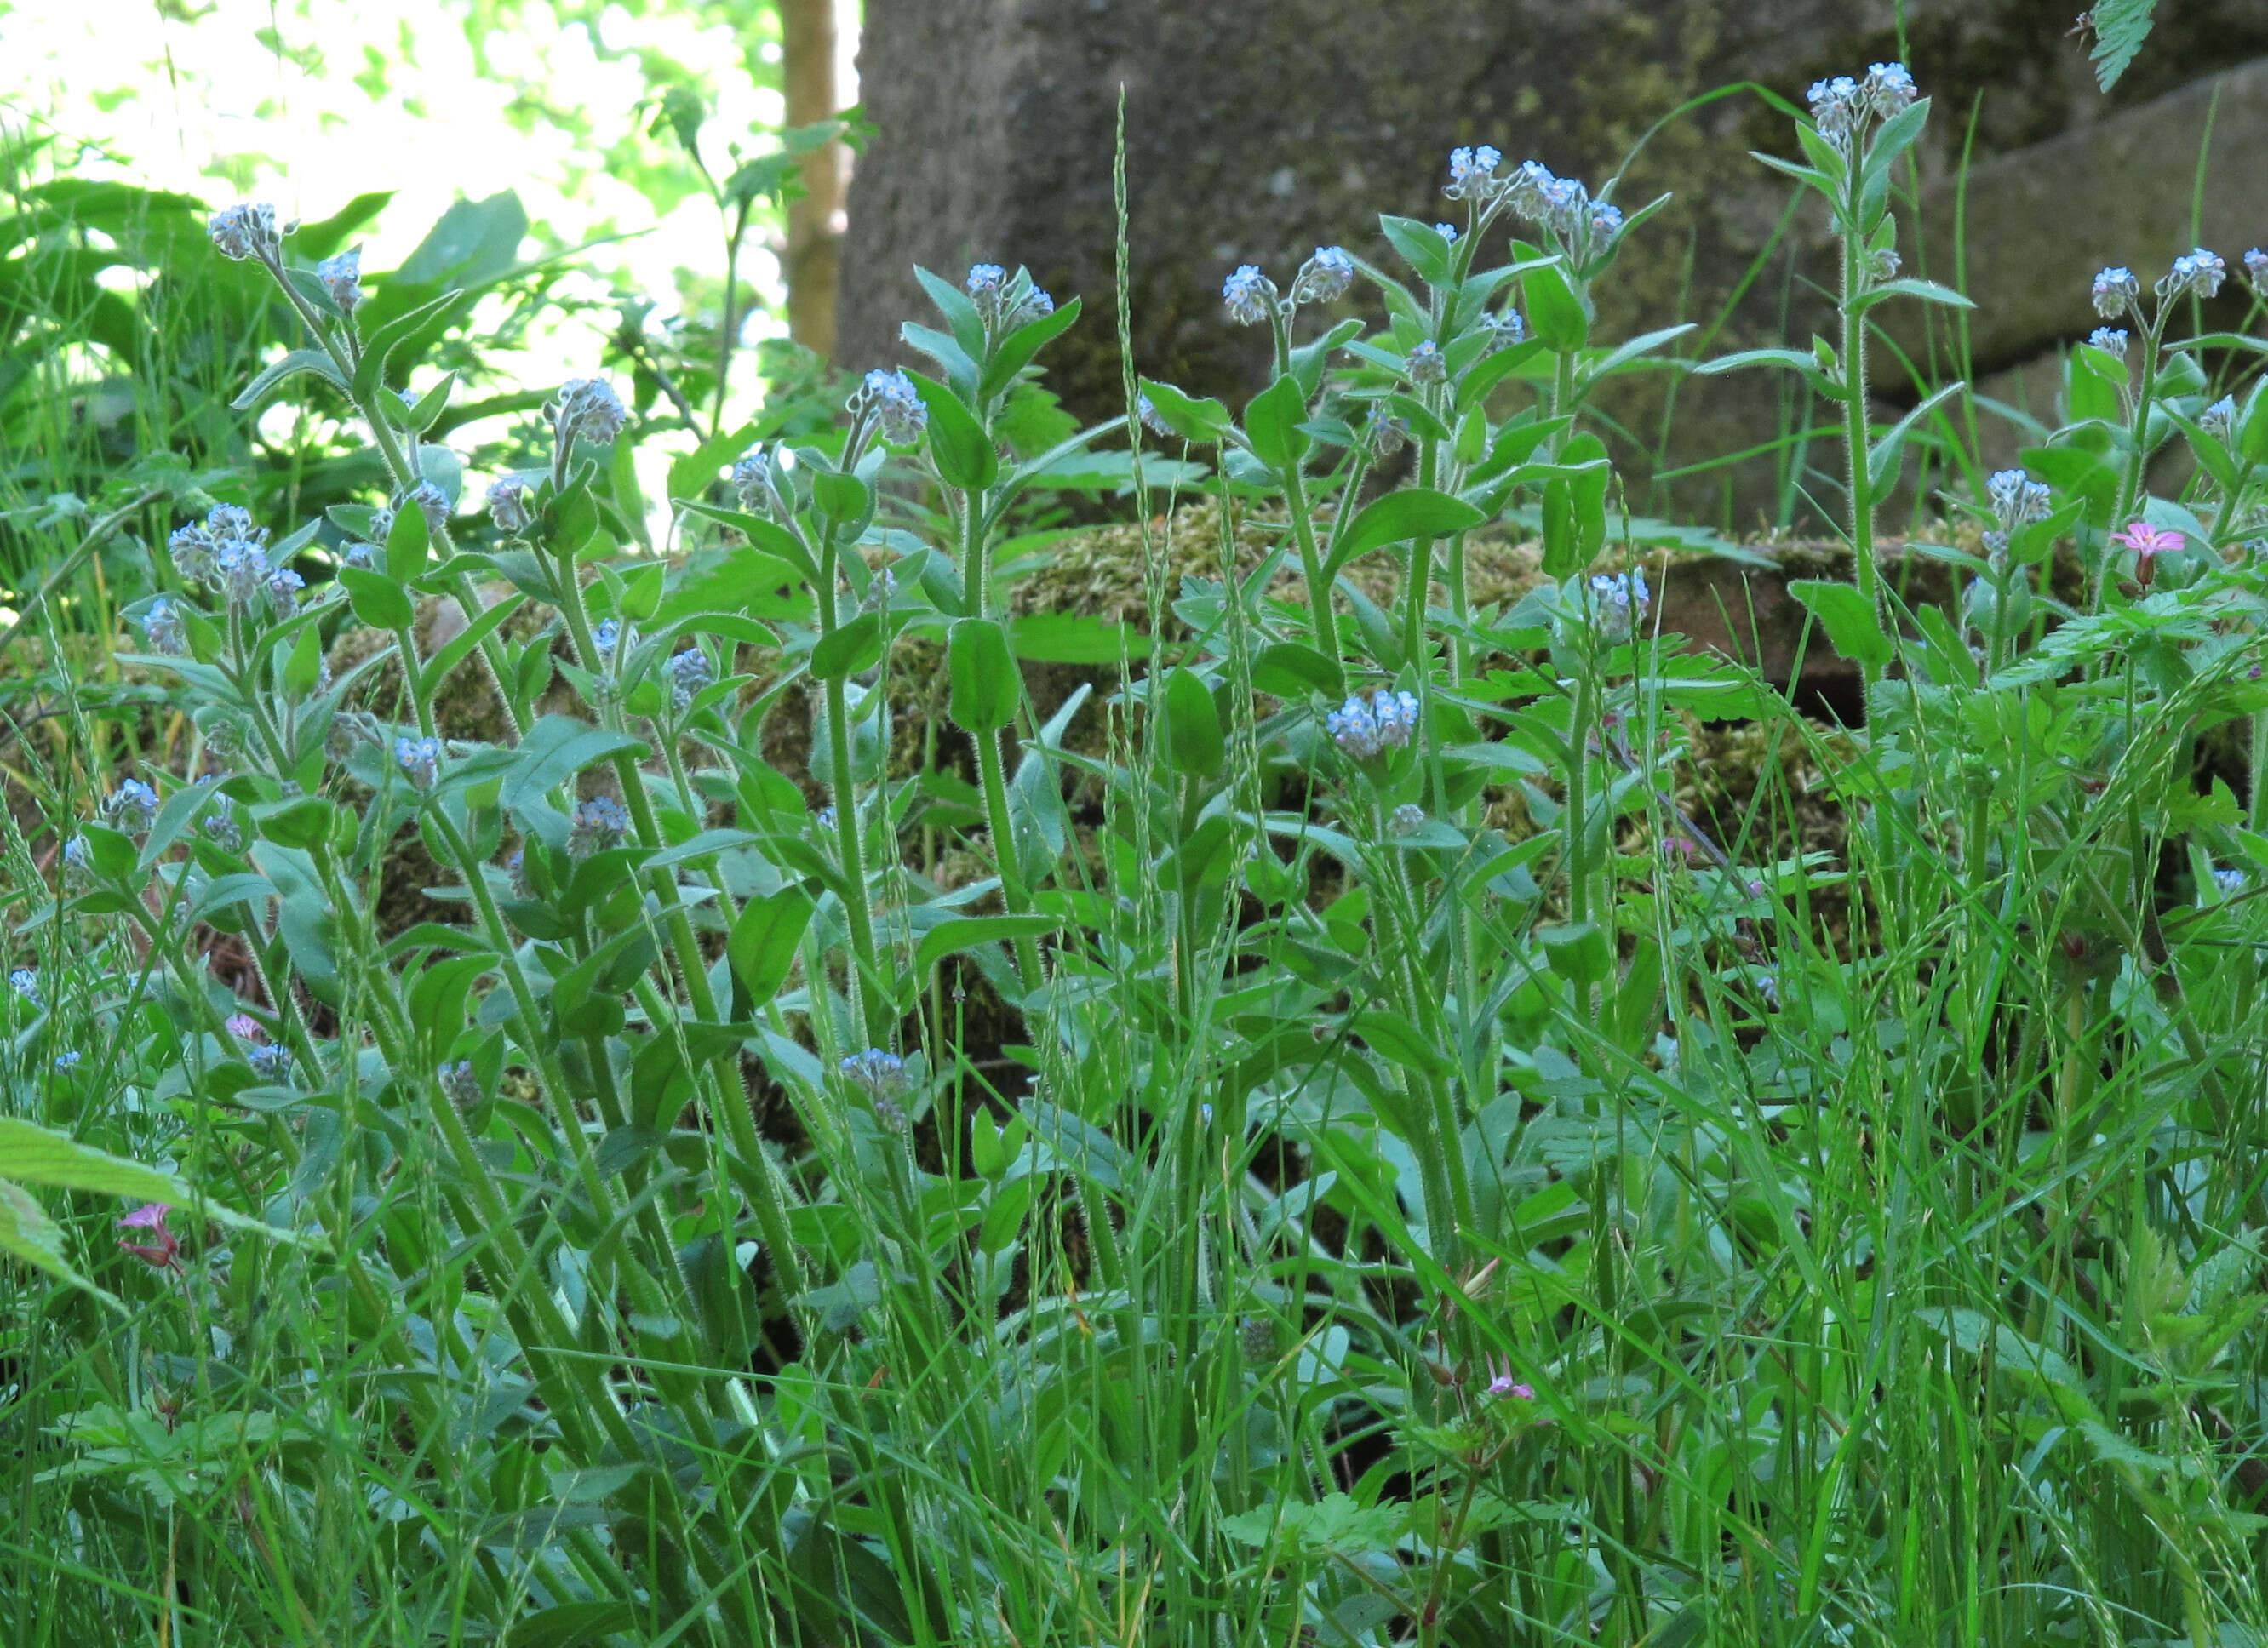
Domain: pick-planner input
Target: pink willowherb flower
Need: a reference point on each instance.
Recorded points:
(245, 1028)
(162, 1251)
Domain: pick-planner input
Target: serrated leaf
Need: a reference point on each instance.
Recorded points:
(2121, 29)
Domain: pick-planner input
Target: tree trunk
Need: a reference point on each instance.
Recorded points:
(814, 227)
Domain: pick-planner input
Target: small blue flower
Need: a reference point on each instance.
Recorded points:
(241, 570)
(283, 587)
(599, 823)
(1425, 366)
(221, 827)
(271, 1063)
(1325, 277)
(66, 1063)
(2198, 273)
(879, 1072)
(610, 631)
(2109, 340)
(986, 279)
(78, 858)
(1407, 819)
(26, 982)
(249, 232)
(2115, 292)
(1363, 731)
(1472, 173)
(898, 404)
(1249, 295)
(420, 758)
(2231, 882)
(1510, 327)
(1890, 89)
(342, 278)
(2256, 268)
(1448, 231)
(1837, 105)
(192, 548)
(1606, 221)
(1623, 598)
(132, 806)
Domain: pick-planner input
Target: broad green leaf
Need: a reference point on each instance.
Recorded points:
(1850, 622)
(966, 932)
(1273, 421)
(556, 749)
(378, 600)
(962, 452)
(986, 686)
(1194, 741)
(1412, 513)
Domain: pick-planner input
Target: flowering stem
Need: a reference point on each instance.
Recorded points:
(1855, 413)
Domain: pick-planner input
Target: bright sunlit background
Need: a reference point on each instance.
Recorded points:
(310, 102)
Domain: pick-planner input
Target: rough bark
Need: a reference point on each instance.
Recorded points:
(814, 229)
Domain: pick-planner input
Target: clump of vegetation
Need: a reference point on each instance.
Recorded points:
(1381, 1137)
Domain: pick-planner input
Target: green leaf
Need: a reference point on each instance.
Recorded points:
(849, 648)
(1850, 622)
(1203, 421)
(1015, 351)
(962, 452)
(1272, 423)
(1075, 639)
(301, 821)
(1882, 457)
(27, 1231)
(1293, 671)
(1575, 509)
(1555, 310)
(763, 943)
(407, 543)
(2121, 28)
(34, 1155)
(1194, 741)
(986, 684)
(556, 749)
(966, 932)
(300, 360)
(1414, 512)
(1423, 247)
(377, 600)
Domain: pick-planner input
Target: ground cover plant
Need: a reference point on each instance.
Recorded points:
(1182, 1175)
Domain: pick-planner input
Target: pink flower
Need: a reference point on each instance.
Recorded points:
(1503, 1386)
(2145, 540)
(161, 1252)
(245, 1028)
(2147, 543)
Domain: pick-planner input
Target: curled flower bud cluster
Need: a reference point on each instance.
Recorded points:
(599, 823)
(161, 624)
(132, 806)
(1386, 436)
(2017, 499)
(587, 408)
(689, 673)
(2196, 273)
(897, 406)
(1472, 173)
(752, 481)
(461, 1084)
(2116, 291)
(431, 502)
(1425, 366)
(26, 982)
(1407, 819)
(1841, 106)
(511, 506)
(1585, 228)
(342, 278)
(420, 758)
(1003, 304)
(1325, 277)
(2220, 419)
(249, 232)
(2109, 340)
(1623, 598)
(880, 1073)
(1249, 296)
(1365, 729)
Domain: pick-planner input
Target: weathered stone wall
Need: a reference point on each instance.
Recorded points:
(1256, 130)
